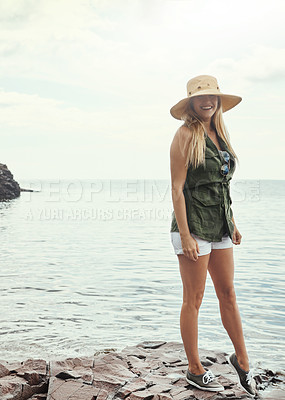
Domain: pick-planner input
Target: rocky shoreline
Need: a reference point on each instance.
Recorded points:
(9, 188)
(150, 370)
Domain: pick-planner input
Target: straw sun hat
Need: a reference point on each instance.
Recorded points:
(201, 85)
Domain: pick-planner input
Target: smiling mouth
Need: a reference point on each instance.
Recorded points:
(207, 108)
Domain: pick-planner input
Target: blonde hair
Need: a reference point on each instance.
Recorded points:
(196, 144)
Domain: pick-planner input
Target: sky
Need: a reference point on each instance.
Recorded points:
(86, 85)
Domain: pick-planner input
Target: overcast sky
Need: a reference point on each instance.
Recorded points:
(86, 85)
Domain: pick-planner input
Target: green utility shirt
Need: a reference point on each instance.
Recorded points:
(207, 196)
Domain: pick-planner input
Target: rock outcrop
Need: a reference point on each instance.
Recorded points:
(9, 188)
(150, 371)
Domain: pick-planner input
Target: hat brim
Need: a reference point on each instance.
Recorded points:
(228, 102)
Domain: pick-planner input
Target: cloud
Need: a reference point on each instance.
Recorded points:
(262, 64)
(125, 48)
(103, 74)
(34, 114)
(37, 117)
(17, 11)
(83, 48)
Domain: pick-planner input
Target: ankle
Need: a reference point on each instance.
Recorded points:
(243, 363)
(196, 369)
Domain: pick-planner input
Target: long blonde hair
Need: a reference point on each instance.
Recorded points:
(196, 144)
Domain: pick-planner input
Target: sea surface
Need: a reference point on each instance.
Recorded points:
(89, 265)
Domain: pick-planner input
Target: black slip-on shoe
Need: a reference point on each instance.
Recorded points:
(205, 381)
(245, 377)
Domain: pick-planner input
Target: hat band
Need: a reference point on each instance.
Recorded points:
(202, 89)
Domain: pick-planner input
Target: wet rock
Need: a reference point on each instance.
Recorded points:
(9, 188)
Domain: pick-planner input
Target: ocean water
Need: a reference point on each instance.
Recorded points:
(89, 265)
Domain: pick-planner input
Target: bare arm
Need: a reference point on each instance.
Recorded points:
(178, 176)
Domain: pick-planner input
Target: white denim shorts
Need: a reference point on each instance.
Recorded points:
(205, 247)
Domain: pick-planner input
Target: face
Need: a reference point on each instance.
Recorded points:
(205, 106)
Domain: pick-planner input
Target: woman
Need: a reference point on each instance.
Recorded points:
(203, 229)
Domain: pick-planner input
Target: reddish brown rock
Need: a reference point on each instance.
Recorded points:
(12, 366)
(162, 397)
(3, 371)
(103, 395)
(111, 372)
(126, 390)
(33, 371)
(24, 380)
(150, 370)
(73, 368)
(140, 395)
(11, 387)
(29, 391)
(71, 390)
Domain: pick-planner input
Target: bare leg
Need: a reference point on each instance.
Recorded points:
(193, 275)
(221, 269)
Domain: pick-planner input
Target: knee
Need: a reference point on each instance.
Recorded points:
(193, 301)
(227, 296)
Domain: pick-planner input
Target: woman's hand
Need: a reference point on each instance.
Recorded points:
(190, 247)
(236, 236)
